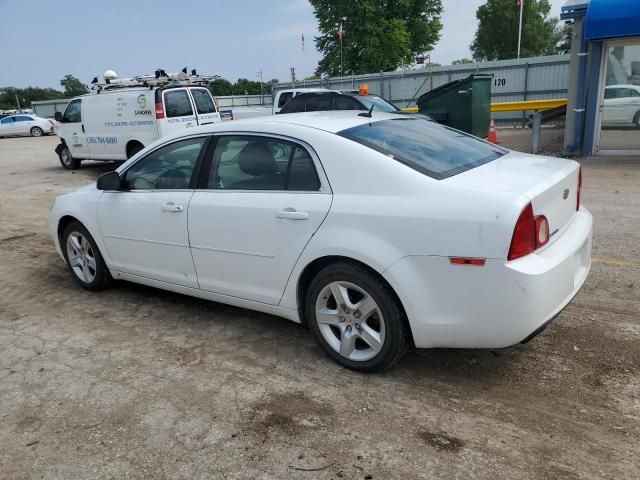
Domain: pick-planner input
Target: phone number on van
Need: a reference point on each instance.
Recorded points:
(110, 140)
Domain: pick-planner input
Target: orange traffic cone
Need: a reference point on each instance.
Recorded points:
(493, 138)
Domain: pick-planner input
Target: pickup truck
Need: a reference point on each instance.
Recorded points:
(279, 100)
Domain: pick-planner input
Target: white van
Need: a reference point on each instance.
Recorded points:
(121, 119)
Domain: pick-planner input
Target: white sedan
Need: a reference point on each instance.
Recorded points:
(380, 232)
(23, 124)
(621, 106)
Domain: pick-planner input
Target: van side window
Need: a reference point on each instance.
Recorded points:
(203, 101)
(177, 104)
(72, 112)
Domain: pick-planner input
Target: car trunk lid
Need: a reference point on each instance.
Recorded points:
(551, 184)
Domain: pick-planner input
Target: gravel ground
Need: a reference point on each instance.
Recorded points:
(140, 383)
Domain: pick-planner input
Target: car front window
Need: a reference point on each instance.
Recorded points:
(434, 150)
(167, 168)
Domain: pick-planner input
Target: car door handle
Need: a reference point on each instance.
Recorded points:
(292, 214)
(172, 207)
(83, 128)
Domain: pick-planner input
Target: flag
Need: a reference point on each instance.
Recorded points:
(340, 33)
(303, 42)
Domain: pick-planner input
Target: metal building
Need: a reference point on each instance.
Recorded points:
(603, 111)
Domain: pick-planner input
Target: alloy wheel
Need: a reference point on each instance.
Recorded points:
(81, 257)
(350, 321)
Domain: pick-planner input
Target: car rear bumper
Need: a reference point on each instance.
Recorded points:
(499, 304)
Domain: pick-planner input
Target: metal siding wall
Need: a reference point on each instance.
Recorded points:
(547, 78)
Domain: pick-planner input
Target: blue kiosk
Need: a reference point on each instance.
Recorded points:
(603, 112)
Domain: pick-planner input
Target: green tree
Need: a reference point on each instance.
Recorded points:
(73, 87)
(565, 34)
(221, 87)
(378, 35)
(26, 96)
(462, 61)
(497, 34)
(244, 86)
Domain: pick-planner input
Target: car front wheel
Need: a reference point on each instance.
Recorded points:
(36, 132)
(356, 318)
(83, 258)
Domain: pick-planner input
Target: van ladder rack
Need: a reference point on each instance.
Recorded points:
(160, 79)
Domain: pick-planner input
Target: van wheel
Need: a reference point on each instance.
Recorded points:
(67, 160)
(133, 149)
(36, 132)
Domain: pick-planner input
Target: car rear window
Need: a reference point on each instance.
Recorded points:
(434, 150)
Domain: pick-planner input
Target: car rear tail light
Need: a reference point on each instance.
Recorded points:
(51, 122)
(159, 111)
(523, 240)
(579, 189)
(542, 231)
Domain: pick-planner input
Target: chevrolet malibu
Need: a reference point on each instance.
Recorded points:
(379, 232)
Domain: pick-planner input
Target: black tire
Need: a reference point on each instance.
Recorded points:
(396, 334)
(133, 149)
(636, 119)
(67, 161)
(101, 276)
(36, 132)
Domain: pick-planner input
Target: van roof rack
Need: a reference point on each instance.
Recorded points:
(158, 79)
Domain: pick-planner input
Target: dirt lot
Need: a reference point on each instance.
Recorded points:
(139, 383)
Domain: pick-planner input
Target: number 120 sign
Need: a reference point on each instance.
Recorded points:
(499, 82)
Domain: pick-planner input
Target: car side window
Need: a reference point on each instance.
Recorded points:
(346, 103)
(23, 118)
(72, 113)
(167, 168)
(284, 98)
(261, 163)
(177, 104)
(634, 93)
(302, 174)
(6, 120)
(320, 103)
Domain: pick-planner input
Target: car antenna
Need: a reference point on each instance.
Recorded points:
(368, 114)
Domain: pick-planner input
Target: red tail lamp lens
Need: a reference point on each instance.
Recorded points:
(523, 241)
(159, 111)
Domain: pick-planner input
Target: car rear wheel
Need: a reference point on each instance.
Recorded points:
(83, 258)
(36, 132)
(356, 317)
(67, 160)
(636, 119)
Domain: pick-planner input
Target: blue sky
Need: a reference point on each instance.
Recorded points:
(42, 40)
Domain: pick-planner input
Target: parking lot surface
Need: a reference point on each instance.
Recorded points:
(135, 382)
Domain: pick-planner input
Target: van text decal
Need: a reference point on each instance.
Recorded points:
(129, 123)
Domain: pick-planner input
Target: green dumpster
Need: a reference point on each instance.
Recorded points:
(462, 104)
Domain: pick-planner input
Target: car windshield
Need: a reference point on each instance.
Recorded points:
(379, 104)
(434, 150)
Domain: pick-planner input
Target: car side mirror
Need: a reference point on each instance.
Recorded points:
(58, 116)
(109, 181)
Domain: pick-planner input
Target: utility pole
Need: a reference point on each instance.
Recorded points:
(293, 77)
(18, 103)
(259, 75)
(521, 3)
